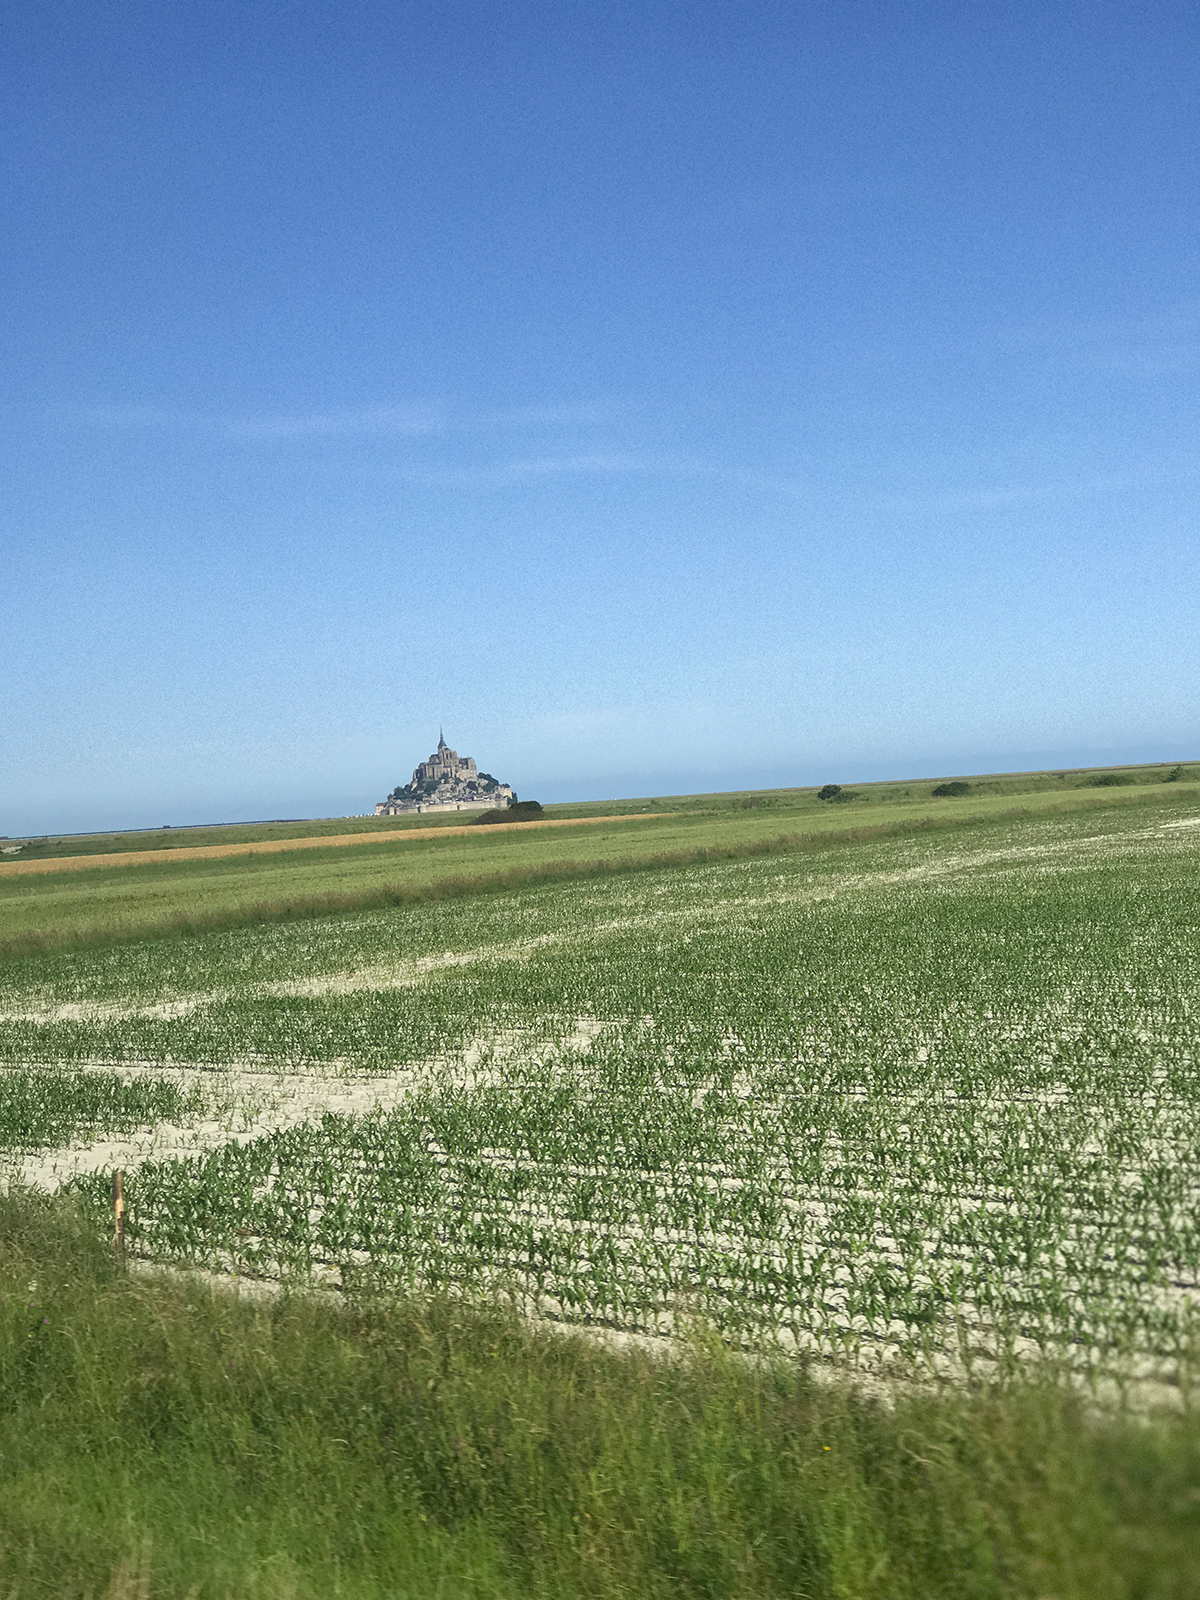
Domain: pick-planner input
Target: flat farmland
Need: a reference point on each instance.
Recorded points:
(175, 854)
(206, 879)
(928, 1099)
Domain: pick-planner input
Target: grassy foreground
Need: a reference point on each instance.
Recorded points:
(159, 1439)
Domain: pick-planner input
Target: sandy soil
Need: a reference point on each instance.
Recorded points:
(272, 1100)
(202, 852)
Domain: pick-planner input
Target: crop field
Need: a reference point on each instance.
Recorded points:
(59, 900)
(216, 852)
(928, 1100)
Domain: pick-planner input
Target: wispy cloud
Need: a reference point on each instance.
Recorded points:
(1001, 497)
(429, 421)
(462, 434)
(599, 462)
(672, 466)
(389, 421)
(1150, 346)
(582, 413)
(135, 417)
(506, 474)
(376, 421)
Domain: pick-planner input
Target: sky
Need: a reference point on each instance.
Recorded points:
(658, 397)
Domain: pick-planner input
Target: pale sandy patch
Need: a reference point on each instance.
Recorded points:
(257, 1099)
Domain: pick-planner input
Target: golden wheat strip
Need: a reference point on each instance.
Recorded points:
(254, 847)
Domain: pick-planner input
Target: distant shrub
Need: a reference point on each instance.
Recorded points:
(1110, 780)
(519, 811)
(829, 792)
(1174, 775)
(955, 787)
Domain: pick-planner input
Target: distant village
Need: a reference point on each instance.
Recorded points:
(447, 782)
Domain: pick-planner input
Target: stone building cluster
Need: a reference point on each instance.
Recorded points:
(447, 782)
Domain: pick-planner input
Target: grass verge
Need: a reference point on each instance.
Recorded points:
(160, 1439)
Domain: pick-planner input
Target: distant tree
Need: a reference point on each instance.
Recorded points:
(1174, 775)
(955, 787)
(829, 792)
(519, 811)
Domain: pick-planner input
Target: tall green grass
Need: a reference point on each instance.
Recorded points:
(159, 1438)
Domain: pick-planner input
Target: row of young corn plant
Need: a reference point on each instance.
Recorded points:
(650, 1204)
(925, 1099)
(246, 959)
(43, 1108)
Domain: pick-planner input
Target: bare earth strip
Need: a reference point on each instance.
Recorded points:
(141, 858)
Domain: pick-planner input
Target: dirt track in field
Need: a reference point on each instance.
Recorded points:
(208, 852)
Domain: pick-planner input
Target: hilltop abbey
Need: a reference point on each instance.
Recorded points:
(447, 782)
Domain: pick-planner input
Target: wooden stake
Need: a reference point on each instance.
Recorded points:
(119, 1214)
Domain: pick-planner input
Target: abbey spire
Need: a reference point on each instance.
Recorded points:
(447, 782)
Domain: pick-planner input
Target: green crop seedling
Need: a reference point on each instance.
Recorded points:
(919, 1100)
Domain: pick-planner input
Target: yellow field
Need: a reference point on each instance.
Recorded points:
(146, 858)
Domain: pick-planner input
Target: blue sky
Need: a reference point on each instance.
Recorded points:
(660, 397)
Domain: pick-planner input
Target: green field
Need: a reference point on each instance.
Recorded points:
(803, 801)
(409, 859)
(917, 1098)
(904, 1095)
(162, 1442)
